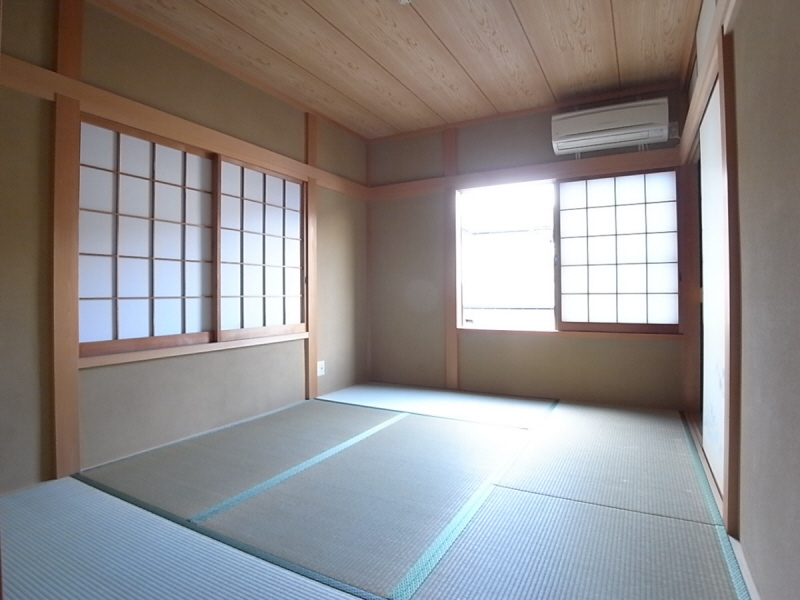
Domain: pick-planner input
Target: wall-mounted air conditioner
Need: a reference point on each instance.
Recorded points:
(630, 124)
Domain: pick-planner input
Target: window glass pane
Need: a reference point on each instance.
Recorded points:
(167, 316)
(167, 242)
(601, 221)
(275, 250)
(293, 311)
(134, 237)
(230, 246)
(631, 249)
(253, 280)
(253, 216)
(97, 189)
(292, 224)
(603, 308)
(133, 277)
(198, 172)
(603, 279)
(169, 165)
(631, 219)
(632, 279)
(630, 189)
(574, 308)
(573, 223)
(198, 278)
(230, 280)
(167, 278)
(292, 249)
(662, 308)
(133, 319)
(292, 195)
(134, 196)
(95, 320)
(253, 249)
(98, 146)
(254, 312)
(274, 311)
(274, 220)
(231, 313)
(198, 208)
(169, 202)
(632, 308)
(198, 243)
(231, 212)
(574, 280)
(572, 194)
(94, 277)
(253, 185)
(95, 233)
(603, 250)
(600, 192)
(662, 217)
(197, 314)
(293, 283)
(662, 247)
(661, 187)
(274, 191)
(135, 156)
(662, 278)
(574, 251)
(274, 283)
(231, 183)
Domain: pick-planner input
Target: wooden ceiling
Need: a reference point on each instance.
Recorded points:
(379, 68)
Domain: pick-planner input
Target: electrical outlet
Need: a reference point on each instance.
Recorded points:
(320, 368)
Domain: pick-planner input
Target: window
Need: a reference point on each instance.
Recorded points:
(154, 235)
(609, 262)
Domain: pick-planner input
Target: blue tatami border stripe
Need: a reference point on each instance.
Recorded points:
(273, 481)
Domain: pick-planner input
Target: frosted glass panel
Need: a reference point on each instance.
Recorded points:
(96, 320)
(133, 277)
(603, 279)
(169, 202)
(293, 283)
(632, 279)
(197, 243)
(95, 233)
(134, 236)
(573, 223)
(98, 146)
(662, 247)
(253, 280)
(198, 278)
(197, 313)
(572, 194)
(575, 308)
(230, 280)
(660, 187)
(662, 308)
(292, 224)
(133, 319)
(168, 316)
(230, 246)
(632, 308)
(274, 311)
(198, 208)
(292, 195)
(97, 189)
(630, 189)
(601, 221)
(231, 179)
(603, 250)
(253, 216)
(198, 172)
(292, 249)
(167, 242)
(253, 185)
(95, 277)
(253, 248)
(631, 249)
(574, 280)
(254, 312)
(274, 191)
(169, 165)
(167, 278)
(274, 250)
(603, 308)
(274, 220)
(662, 278)
(134, 196)
(293, 311)
(662, 217)
(600, 192)
(573, 251)
(231, 212)
(274, 283)
(135, 156)
(631, 219)
(231, 317)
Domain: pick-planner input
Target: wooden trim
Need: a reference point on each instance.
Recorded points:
(450, 151)
(707, 77)
(729, 10)
(34, 80)
(581, 334)
(129, 357)
(216, 247)
(731, 492)
(614, 164)
(140, 344)
(231, 335)
(642, 328)
(311, 345)
(69, 44)
(450, 290)
(66, 398)
(312, 140)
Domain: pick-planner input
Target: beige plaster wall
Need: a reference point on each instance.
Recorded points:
(341, 152)
(406, 159)
(28, 31)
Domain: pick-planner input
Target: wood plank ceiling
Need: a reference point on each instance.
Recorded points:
(378, 67)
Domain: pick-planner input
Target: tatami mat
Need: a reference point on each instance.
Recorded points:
(531, 547)
(190, 476)
(364, 516)
(63, 540)
(636, 460)
(492, 410)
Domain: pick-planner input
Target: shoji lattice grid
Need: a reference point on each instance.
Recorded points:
(619, 249)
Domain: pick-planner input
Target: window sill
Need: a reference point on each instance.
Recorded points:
(579, 334)
(158, 353)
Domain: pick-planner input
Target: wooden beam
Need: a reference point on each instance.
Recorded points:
(451, 290)
(69, 46)
(707, 77)
(311, 344)
(312, 140)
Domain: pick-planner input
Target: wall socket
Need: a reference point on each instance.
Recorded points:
(320, 368)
